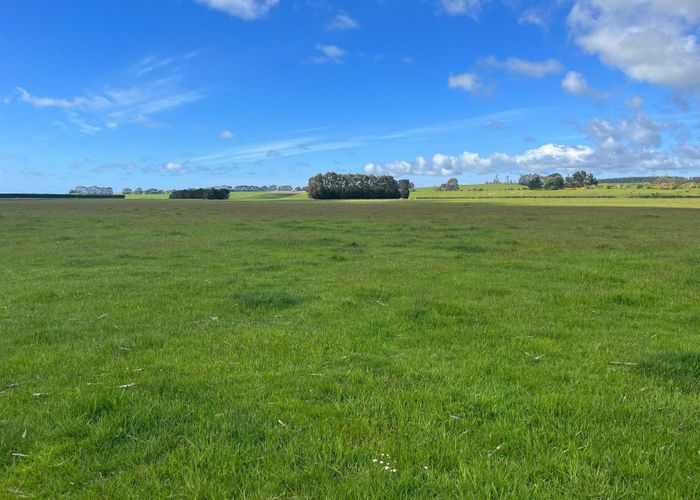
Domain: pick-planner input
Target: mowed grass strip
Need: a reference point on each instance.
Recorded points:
(309, 349)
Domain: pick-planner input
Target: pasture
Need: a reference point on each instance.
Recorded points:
(326, 349)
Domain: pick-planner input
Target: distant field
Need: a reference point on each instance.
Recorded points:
(259, 196)
(285, 350)
(504, 194)
(516, 191)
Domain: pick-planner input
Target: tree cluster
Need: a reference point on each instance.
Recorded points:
(451, 185)
(271, 187)
(578, 179)
(334, 186)
(200, 194)
(139, 190)
(91, 190)
(405, 187)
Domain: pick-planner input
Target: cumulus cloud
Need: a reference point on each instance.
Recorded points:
(330, 54)
(173, 168)
(638, 131)
(469, 82)
(633, 144)
(574, 83)
(342, 21)
(546, 157)
(531, 69)
(226, 135)
(652, 41)
(469, 8)
(243, 9)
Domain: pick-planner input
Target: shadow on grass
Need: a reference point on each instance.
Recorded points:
(680, 369)
(269, 300)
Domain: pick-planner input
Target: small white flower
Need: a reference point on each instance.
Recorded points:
(386, 467)
(393, 470)
(374, 460)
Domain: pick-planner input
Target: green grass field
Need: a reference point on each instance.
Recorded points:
(243, 196)
(602, 191)
(287, 349)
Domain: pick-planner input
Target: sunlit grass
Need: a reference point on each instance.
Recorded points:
(222, 349)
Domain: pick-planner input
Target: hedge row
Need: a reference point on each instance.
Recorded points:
(200, 194)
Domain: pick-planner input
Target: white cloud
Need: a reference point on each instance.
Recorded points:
(342, 21)
(638, 131)
(330, 54)
(81, 103)
(534, 17)
(113, 107)
(531, 69)
(283, 148)
(631, 145)
(226, 135)
(468, 82)
(462, 7)
(244, 9)
(247, 153)
(173, 168)
(546, 157)
(652, 41)
(574, 83)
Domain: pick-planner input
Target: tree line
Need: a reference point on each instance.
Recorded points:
(200, 194)
(578, 179)
(334, 186)
(92, 190)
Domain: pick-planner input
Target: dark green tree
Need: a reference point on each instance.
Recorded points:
(334, 186)
(405, 187)
(532, 181)
(451, 185)
(554, 181)
(581, 179)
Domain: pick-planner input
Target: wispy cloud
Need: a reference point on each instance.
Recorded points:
(534, 16)
(342, 21)
(469, 8)
(303, 145)
(243, 9)
(530, 69)
(284, 148)
(329, 54)
(113, 106)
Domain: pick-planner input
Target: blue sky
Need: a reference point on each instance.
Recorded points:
(178, 93)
